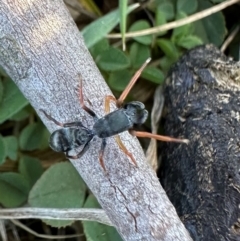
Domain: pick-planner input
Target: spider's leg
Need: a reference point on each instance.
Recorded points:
(124, 149)
(108, 99)
(131, 83)
(157, 137)
(101, 153)
(88, 110)
(51, 118)
(76, 123)
(117, 137)
(81, 153)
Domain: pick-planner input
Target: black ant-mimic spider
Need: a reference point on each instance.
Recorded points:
(74, 134)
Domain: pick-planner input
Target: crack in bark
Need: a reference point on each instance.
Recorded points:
(134, 218)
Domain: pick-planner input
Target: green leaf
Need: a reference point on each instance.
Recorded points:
(167, 9)
(200, 31)
(22, 114)
(14, 189)
(123, 19)
(160, 20)
(138, 54)
(30, 168)
(213, 26)
(153, 74)
(12, 101)
(113, 59)
(11, 145)
(3, 151)
(1, 91)
(189, 42)
(99, 47)
(59, 187)
(3, 72)
(98, 29)
(96, 231)
(187, 6)
(166, 63)
(33, 136)
(183, 30)
(140, 25)
(118, 80)
(168, 48)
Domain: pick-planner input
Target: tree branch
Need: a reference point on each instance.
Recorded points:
(44, 53)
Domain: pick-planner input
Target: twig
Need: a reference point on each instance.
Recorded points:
(230, 38)
(83, 214)
(3, 233)
(178, 23)
(21, 225)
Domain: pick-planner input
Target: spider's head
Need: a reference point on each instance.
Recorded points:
(136, 112)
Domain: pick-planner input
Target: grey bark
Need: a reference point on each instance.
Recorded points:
(44, 53)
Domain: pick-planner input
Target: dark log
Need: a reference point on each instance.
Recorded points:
(202, 180)
(44, 53)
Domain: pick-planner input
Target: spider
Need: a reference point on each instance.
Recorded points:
(74, 134)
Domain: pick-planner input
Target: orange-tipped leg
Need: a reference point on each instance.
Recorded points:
(131, 83)
(109, 98)
(124, 149)
(101, 153)
(158, 137)
(101, 161)
(124, 94)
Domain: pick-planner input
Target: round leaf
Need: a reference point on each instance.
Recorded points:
(140, 25)
(113, 59)
(33, 136)
(214, 25)
(59, 187)
(153, 74)
(167, 9)
(187, 6)
(160, 20)
(138, 54)
(11, 145)
(99, 47)
(183, 30)
(14, 189)
(12, 100)
(3, 151)
(118, 80)
(22, 114)
(30, 168)
(189, 42)
(168, 48)
(165, 63)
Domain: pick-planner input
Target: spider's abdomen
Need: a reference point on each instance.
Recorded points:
(66, 139)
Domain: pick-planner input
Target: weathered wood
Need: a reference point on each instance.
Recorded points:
(203, 179)
(43, 52)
